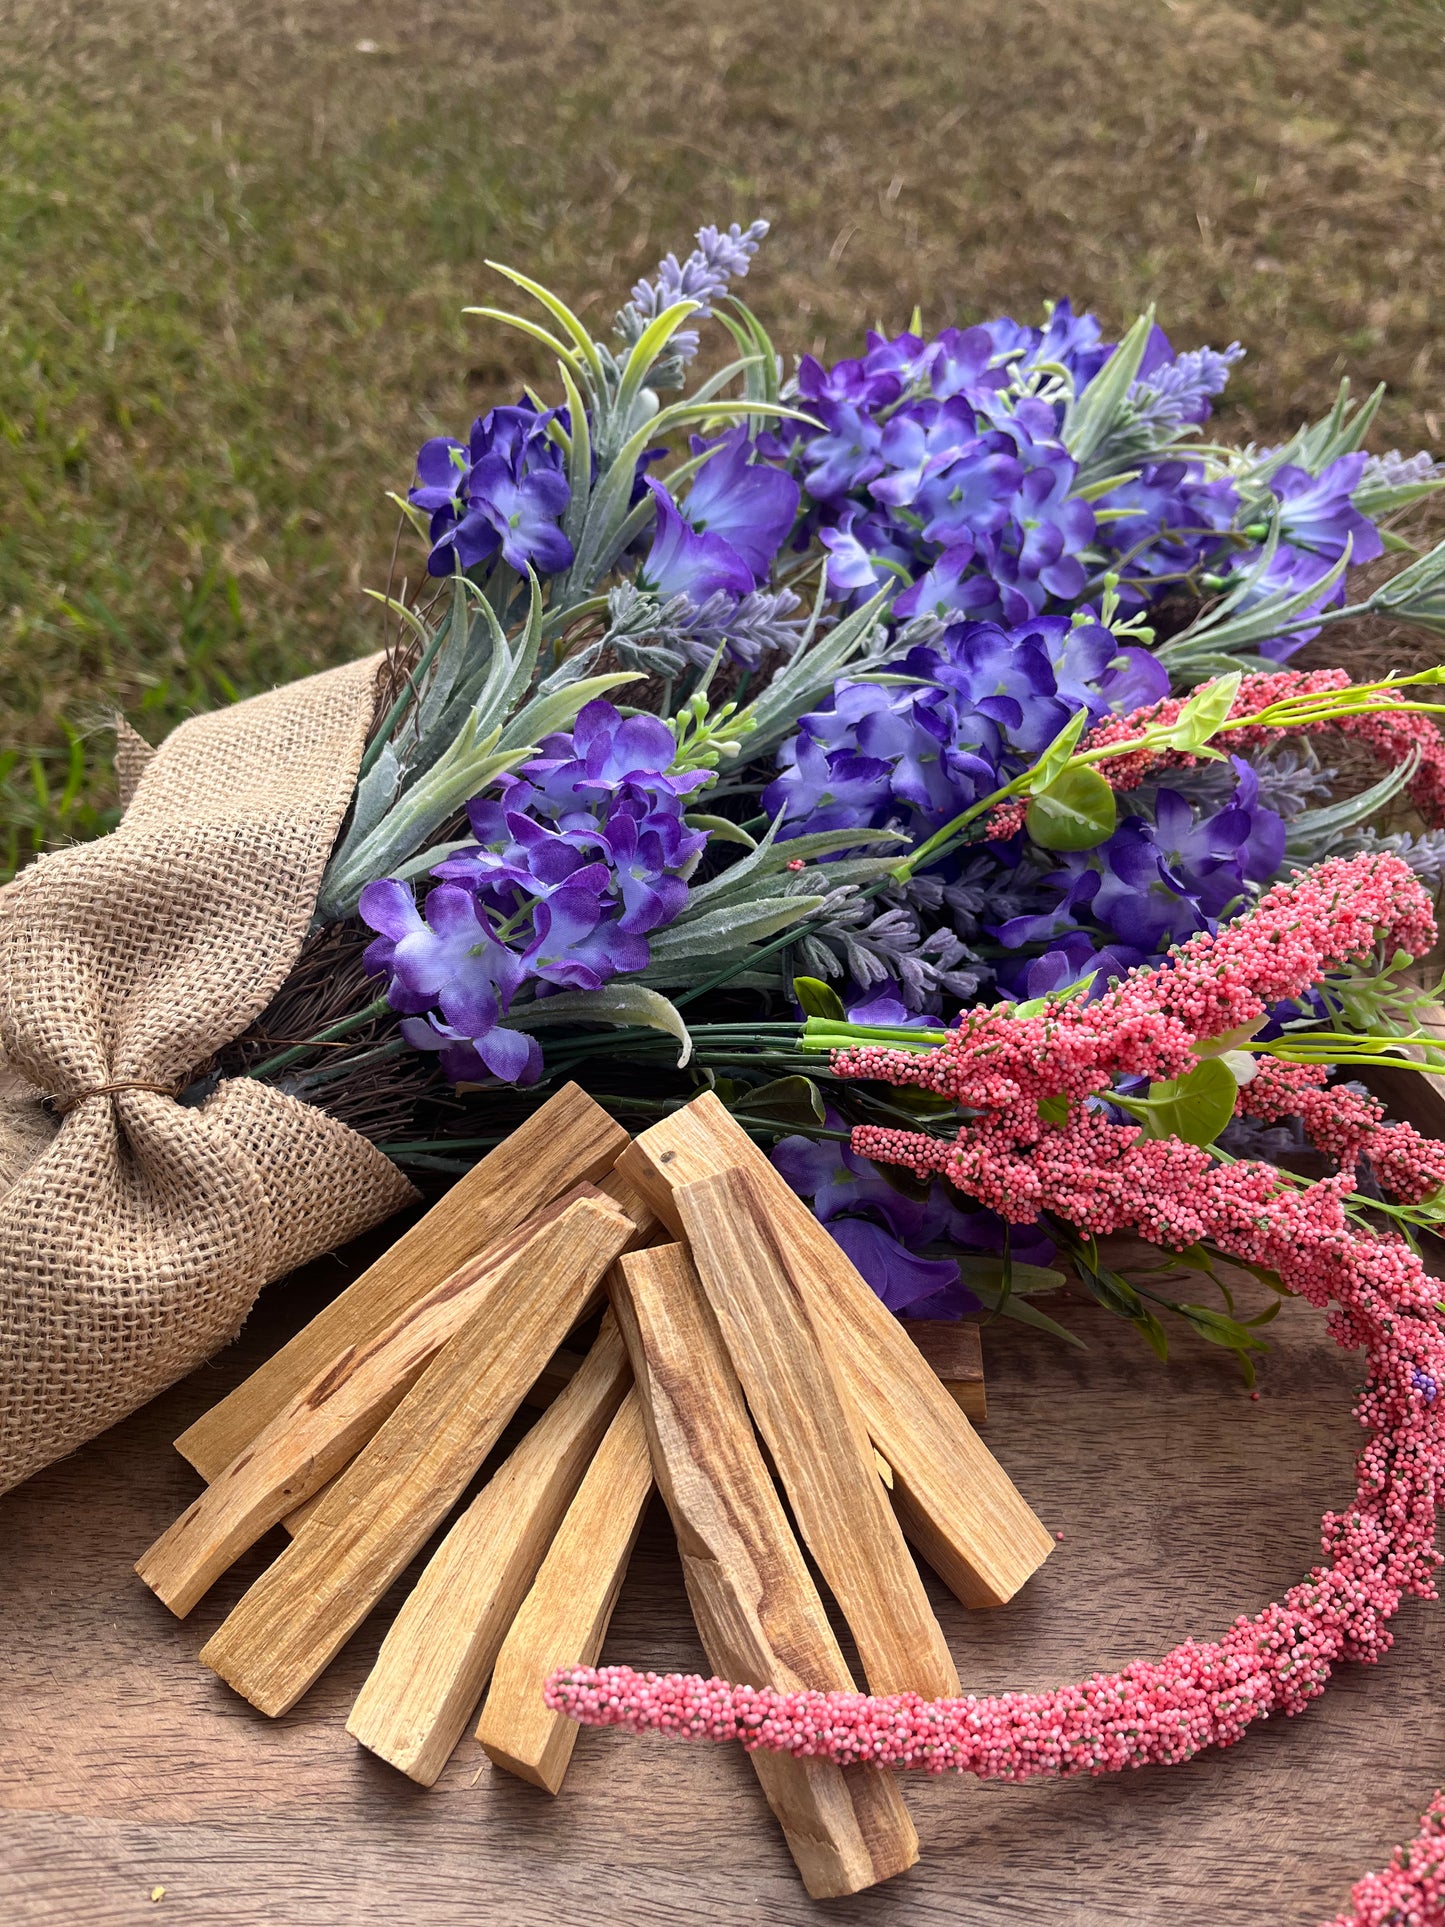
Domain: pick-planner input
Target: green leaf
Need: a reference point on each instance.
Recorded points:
(1076, 812)
(1201, 716)
(818, 999)
(795, 1102)
(621, 1004)
(1195, 1108)
(544, 714)
(1054, 1110)
(724, 931)
(1218, 1329)
(721, 829)
(1051, 763)
(1092, 416)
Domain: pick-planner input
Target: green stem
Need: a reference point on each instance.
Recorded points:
(377, 1008)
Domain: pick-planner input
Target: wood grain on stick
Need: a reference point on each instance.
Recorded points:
(815, 1434)
(757, 1610)
(302, 1610)
(564, 1619)
(555, 1377)
(323, 1428)
(435, 1660)
(954, 1500)
(569, 1139)
(954, 1350)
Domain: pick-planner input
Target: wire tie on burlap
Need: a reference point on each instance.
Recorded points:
(62, 1104)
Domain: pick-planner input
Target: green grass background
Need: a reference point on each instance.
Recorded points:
(235, 239)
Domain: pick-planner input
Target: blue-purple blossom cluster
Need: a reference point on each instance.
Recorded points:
(581, 855)
(941, 464)
(1168, 870)
(974, 708)
(502, 493)
(888, 1233)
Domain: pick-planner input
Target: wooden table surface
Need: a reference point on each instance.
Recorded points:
(125, 1766)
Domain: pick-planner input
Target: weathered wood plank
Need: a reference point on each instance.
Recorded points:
(435, 1660)
(955, 1502)
(302, 1610)
(815, 1434)
(756, 1607)
(564, 1618)
(569, 1139)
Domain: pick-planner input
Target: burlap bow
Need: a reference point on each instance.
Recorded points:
(135, 1234)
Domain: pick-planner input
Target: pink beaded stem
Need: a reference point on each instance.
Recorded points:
(1392, 738)
(1104, 1177)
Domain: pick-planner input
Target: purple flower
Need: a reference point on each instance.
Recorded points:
(1317, 514)
(503, 493)
(517, 517)
(577, 859)
(882, 1230)
(494, 1051)
(750, 505)
(1317, 520)
(860, 550)
(684, 562)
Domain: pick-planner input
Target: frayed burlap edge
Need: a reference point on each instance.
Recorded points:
(136, 1231)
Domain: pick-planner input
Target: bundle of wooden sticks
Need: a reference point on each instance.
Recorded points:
(727, 1308)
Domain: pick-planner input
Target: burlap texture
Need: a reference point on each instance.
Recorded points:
(135, 1235)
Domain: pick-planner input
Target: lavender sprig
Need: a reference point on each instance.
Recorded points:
(720, 256)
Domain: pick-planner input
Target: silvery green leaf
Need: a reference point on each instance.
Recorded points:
(438, 681)
(1314, 833)
(1389, 498)
(1093, 414)
(770, 857)
(374, 793)
(811, 672)
(545, 714)
(720, 829)
(621, 1003)
(1417, 593)
(1221, 631)
(571, 668)
(427, 860)
(723, 932)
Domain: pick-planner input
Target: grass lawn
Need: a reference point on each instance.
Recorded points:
(236, 235)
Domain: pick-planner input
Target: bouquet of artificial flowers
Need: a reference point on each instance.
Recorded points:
(739, 724)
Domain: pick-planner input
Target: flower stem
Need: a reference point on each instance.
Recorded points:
(377, 1008)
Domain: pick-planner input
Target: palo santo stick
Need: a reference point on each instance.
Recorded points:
(323, 1428)
(817, 1439)
(435, 1660)
(555, 1379)
(757, 1610)
(569, 1139)
(954, 1349)
(955, 1501)
(564, 1619)
(303, 1609)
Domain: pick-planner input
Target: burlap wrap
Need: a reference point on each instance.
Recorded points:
(135, 1235)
